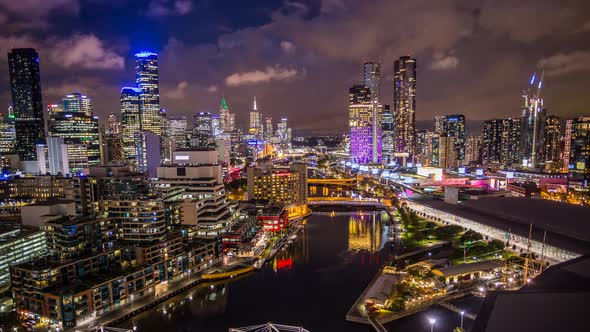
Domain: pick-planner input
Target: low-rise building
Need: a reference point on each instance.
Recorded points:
(19, 244)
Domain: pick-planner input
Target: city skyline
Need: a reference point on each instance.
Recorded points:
(264, 51)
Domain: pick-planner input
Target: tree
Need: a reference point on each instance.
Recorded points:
(470, 236)
(447, 232)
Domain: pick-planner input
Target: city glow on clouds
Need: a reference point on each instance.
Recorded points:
(275, 73)
(445, 63)
(288, 47)
(564, 63)
(169, 7)
(179, 91)
(212, 88)
(85, 51)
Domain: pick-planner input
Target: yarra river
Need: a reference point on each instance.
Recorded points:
(312, 284)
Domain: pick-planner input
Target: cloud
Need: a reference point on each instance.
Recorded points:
(275, 73)
(33, 14)
(85, 51)
(179, 92)
(159, 8)
(212, 88)
(444, 62)
(565, 63)
(288, 47)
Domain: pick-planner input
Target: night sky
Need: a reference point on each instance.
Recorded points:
(300, 57)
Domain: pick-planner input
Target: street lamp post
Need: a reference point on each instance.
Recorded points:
(432, 321)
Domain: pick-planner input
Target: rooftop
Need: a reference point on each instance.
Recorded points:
(468, 268)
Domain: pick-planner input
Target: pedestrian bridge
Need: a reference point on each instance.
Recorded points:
(334, 182)
(370, 202)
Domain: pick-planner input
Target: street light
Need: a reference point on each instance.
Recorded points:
(431, 321)
(462, 313)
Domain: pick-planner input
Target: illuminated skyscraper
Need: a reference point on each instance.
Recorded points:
(226, 118)
(371, 79)
(147, 146)
(7, 134)
(76, 124)
(178, 131)
(114, 125)
(130, 119)
(146, 69)
(360, 110)
(256, 126)
(454, 126)
(579, 161)
(387, 135)
(25, 88)
(533, 121)
(551, 141)
(202, 135)
(439, 124)
(567, 137)
(268, 132)
(501, 141)
(473, 149)
(404, 102)
(283, 132)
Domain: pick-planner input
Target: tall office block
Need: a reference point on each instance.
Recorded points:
(146, 70)
(551, 141)
(454, 126)
(130, 119)
(25, 88)
(579, 161)
(404, 102)
(202, 135)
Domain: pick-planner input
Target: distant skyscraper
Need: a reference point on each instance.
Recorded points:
(7, 134)
(551, 141)
(146, 69)
(178, 131)
(439, 124)
(454, 126)
(130, 119)
(114, 125)
(77, 125)
(371, 79)
(147, 145)
(579, 161)
(283, 132)
(500, 141)
(533, 120)
(404, 102)
(224, 117)
(202, 135)
(387, 135)
(473, 149)
(268, 132)
(25, 87)
(360, 110)
(256, 126)
(567, 137)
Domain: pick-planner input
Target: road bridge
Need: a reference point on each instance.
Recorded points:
(346, 201)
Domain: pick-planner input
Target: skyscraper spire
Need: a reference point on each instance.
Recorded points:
(255, 108)
(223, 103)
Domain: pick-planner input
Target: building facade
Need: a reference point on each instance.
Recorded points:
(404, 105)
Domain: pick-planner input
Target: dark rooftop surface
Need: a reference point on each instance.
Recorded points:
(567, 225)
(557, 300)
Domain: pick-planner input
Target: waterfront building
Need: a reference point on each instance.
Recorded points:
(371, 79)
(131, 120)
(25, 88)
(404, 105)
(146, 70)
(579, 159)
(387, 135)
(286, 186)
(360, 112)
(551, 142)
(147, 150)
(18, 244)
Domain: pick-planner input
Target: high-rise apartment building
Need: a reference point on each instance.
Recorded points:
(146, 70)
(76, 124)
(454, 126)
(579, 161)
(501, 141)
(404, 105)
(473, 149)
(567, 144)
(371, 79)
(387, 135)
(130, 119)
(439, 124)
(360, 113)
(551, 141)
(7, 134)
(25, 88)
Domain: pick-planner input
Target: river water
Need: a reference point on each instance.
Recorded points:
(312, 283)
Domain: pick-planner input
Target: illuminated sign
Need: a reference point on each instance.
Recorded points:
(461, 170)
(181, 157)
(510, 175)
(479, 172)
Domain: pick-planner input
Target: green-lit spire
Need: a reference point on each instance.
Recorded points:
(223, 103)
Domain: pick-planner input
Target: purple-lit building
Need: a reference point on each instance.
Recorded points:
(361, 125)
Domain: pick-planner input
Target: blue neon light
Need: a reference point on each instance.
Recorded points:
(145, 54)
(130, 88)
(533, 79)
(541, 82)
